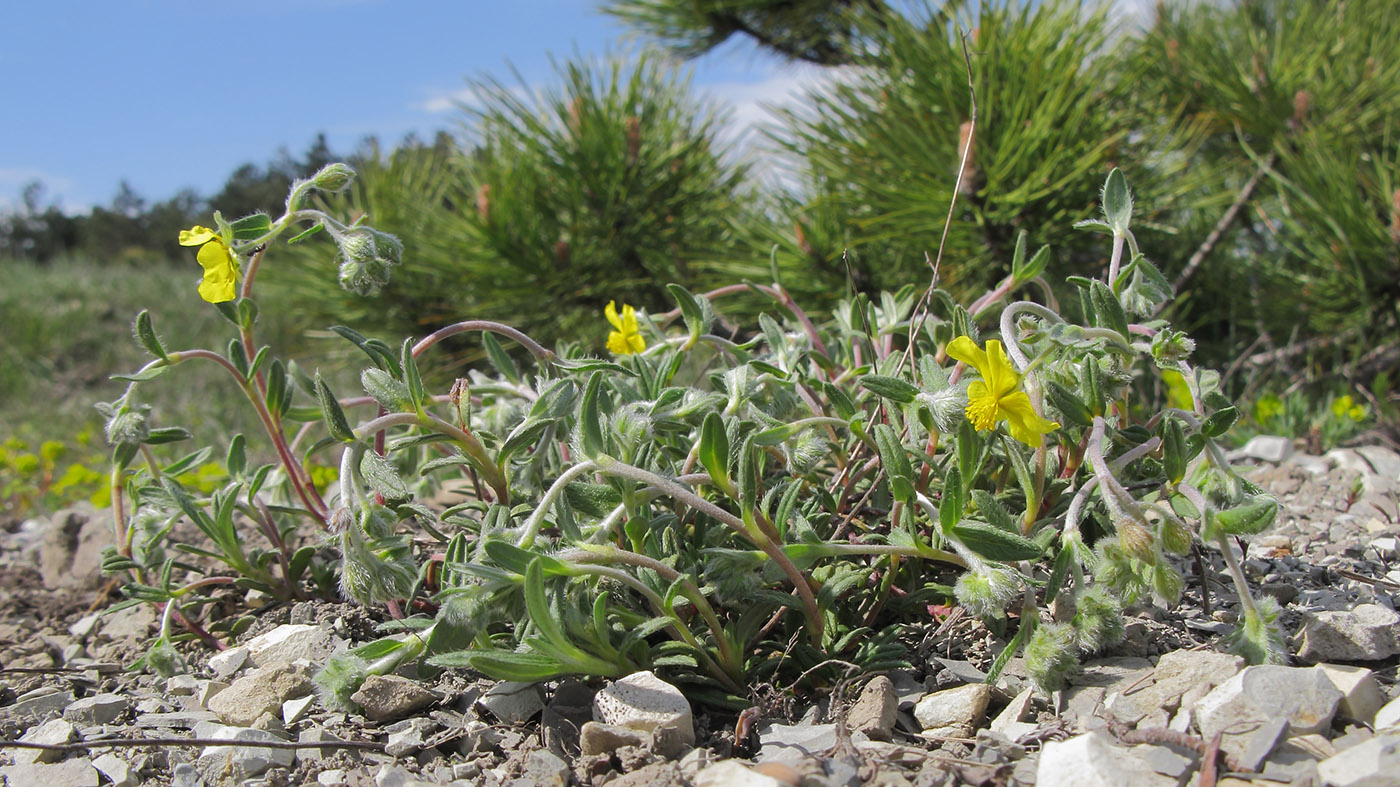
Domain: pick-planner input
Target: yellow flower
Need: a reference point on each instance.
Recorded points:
(626, 340)
(996, 395)
(1345, 407)
(220, 264)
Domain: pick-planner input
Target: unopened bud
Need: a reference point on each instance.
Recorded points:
(1167, 584)
(986, 593)
(357, 245)
(1136, 541)
(387, 247)
(1051, 656)
(1175, 536)
(333, 177)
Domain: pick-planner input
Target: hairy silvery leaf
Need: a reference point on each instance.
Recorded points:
(947, 406)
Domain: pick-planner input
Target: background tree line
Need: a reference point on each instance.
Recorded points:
(1260, 138)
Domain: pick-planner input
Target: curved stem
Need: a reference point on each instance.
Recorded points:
(472, 446)
(551, 496)
(535, 348)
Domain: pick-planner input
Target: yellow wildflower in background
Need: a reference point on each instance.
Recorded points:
(1345, 407)
(626, 339)
(220, 264)
(997, 395)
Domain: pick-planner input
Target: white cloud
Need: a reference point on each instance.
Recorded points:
(14, 179)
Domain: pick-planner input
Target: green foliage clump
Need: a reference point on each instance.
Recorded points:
(726, 511)
(600, 187)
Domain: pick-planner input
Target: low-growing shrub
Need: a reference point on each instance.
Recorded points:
(726, 508)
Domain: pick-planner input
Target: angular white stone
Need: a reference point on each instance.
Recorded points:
(1177, 673)
(115, 769)
(1373, 762)
(955, 711)
(645, 702)
(1388, 716)
(1093, 760)
(1367, 632)
(53, 732)
(97, 709)
(1362, 697)
(732, 773)
(290, 642)
(226, 662)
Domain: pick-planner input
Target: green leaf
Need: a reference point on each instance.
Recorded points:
(237, 459)
(1219, 422)
(383, 478)
(251, 227)
(146, 334)
(994, 512)
(1174, 456)
(750, 466)
(595, 500)
(1070, 406)
(891, 388)
(378, 351)
(238, 357)
(691, 310)
(895, 461)
(411, 378)
(145, 375)
(386, 389)
(279, 394)
(524, 435)
(499, 357)
(300, 560)
(1034, 268)
(778, 434)
(992, 543)
(1058, 573)
(166, 434)
(258, 360)
(714, 450)
(1108, 310)
(542, 616)
(1117, 202)
(590, 423)
(1255, 515)
(336, 424)
(504, 664)
(303, 235)
(841, 404)
(950, 507)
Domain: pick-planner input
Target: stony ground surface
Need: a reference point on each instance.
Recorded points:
(1163, 708)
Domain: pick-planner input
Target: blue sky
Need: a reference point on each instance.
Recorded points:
(168, 94)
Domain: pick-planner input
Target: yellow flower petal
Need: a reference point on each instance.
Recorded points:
(220, 271)
(967, 351)
(1002, 378)
(1022, 421)
(196, 235)
(610, 311)
(217, 290)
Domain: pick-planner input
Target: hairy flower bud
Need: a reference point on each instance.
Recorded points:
(333, 177)
(363, 278)
(126, 423)
(986, 593)
(357, 245)
(1167, 584)
(1175, 537)
(1136, 541)
(1098, 619)
(1051, 656)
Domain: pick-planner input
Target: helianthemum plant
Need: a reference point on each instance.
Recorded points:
(756, 508)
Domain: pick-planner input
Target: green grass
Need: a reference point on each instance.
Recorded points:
(67, 329)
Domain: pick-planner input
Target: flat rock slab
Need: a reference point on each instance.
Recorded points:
(1368, 632)
(953, 712)
(1094, 760)
(1255, 709)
